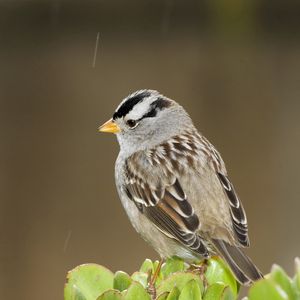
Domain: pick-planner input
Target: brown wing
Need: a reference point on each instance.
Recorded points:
(167, 207)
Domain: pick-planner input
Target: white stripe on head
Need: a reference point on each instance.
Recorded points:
(142, 108)
(136, 93)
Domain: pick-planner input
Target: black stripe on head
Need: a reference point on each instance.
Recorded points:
(157, 105)
(128, 105)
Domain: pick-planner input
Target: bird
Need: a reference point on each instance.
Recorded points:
(174, 186)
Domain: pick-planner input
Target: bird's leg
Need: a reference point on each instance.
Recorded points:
(151, 286)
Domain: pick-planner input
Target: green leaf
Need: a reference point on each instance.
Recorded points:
(147, 266)
(140, 277)
(218, 291)
(281, 278)
(73, 293)
(121, 281)
(163, 296)
(266, 289)
(172, 265)
(174, 294)
(110, 295)
(191, 291)
(136, 292)
(155, 264)
(87, 282)
(179, 279)
(218, 271)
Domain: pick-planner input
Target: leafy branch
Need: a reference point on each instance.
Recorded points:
(177, 281)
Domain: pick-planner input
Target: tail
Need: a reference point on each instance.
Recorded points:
(240, 264)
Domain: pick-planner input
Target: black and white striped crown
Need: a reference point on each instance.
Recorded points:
(143, 104)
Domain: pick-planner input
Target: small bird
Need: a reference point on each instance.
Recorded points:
(174, 185)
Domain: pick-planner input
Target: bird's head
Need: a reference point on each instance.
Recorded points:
(144, 119)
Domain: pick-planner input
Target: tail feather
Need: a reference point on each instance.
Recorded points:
(243, 268)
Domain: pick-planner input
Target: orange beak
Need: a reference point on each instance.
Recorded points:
(109, 126)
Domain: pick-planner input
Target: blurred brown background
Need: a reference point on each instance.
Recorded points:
(234, 65)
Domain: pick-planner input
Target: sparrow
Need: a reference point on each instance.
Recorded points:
(174, 186)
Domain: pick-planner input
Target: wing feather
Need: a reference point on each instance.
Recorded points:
(168, 208)
(237, 211)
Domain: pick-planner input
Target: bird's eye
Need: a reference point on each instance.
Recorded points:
(131, 123)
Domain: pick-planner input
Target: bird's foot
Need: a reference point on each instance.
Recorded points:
(200, 269)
